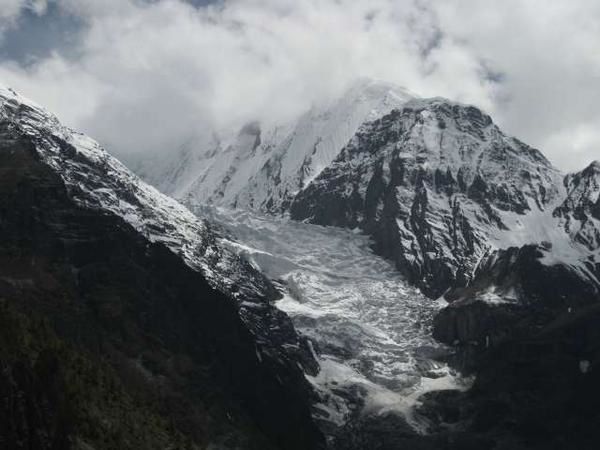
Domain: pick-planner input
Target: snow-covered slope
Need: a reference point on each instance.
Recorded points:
(263, 168)
(98, 181)
(175, 172)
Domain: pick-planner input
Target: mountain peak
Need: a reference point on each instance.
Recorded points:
(436, 168)
(594, 167)
(11, 102)
(264, 166)
(589, 174)
(580, 211)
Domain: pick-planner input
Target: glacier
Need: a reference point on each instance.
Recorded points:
(370, 328)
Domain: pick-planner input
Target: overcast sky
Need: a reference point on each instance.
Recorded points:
(143, 75)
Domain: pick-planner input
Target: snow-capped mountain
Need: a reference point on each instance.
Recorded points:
(458, 206)
(137, 261)
(263, 169)
(437, 184)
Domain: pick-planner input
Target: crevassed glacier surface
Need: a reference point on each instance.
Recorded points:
(370, 328)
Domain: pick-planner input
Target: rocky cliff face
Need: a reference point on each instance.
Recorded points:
(169, 340)
(437, 185)
(580, 211)
(529, 331)
(513, 293)
(527, 326)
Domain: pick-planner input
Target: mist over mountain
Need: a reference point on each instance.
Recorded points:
(456, 208)
(148, 76)
(317, 225)
(471, 216)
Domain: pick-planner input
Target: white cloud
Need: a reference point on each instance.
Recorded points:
(148, 73)
(550, 55)
(11, 9)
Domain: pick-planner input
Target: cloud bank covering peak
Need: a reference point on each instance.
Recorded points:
(145, 75)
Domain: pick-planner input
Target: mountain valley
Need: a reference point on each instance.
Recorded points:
(386, 272)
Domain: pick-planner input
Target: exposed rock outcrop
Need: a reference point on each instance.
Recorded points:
(529, 331)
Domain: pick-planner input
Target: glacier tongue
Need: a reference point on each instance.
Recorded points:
(371, 329)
